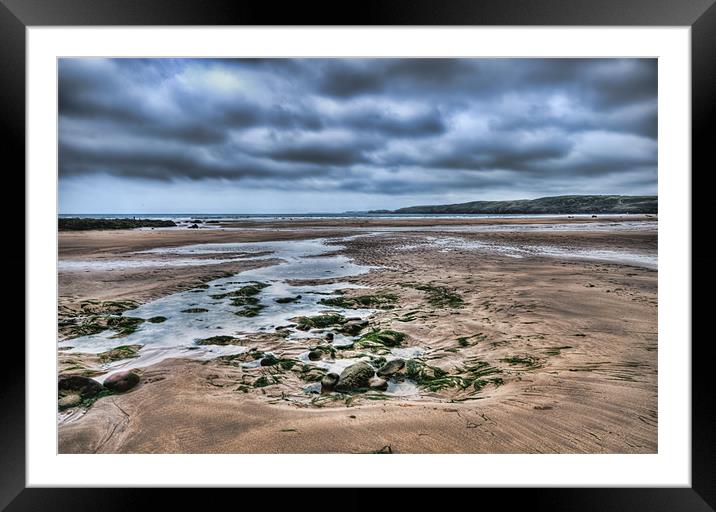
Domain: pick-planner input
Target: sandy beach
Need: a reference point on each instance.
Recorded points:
(519, 335)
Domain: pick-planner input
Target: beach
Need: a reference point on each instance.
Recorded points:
(517, 334)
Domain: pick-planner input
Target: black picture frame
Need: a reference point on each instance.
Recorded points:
(700, 15)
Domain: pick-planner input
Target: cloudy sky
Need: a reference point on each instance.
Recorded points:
(331, 135)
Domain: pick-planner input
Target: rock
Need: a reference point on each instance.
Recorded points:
(594, 216)
(329, 336)
(328, 382)
(354, 327)
(118, 353)
(391, 367)
(378, 383)
(313, 375)
(121, 381)
(85, 386)
(68, 401)
(315, 355)
(269, 360)
(355, 376)
(194, 226)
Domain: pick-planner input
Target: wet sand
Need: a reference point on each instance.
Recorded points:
(573, 341)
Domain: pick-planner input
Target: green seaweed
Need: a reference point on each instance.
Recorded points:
(261, 382)
(90, 400)
(440, 296)
(527, 361)
(320, 321)
(244, 301)
(381, 337)
(383, 300)
(124, 325)
(555, 351)
(219, 340)
(244, 291)
(250, 311)
(288, 300)
(118, 353)
(434, 379)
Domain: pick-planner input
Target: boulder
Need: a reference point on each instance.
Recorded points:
(269, 360)
(193, 226)
(356, 376)
(378, 383)
(329, 336)
(391, 367)
(121, 381)
(76, 384)
(354, 327)
(328, 382)
(315, 355)
(313, 375)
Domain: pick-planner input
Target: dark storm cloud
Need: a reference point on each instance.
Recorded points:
(378, 126)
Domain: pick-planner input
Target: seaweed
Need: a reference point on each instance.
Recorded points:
(124, 325)
(434, 379)
(244, 301)
(219, 340)
(117, 353)
(320, 321)
(261, 382)
(382, 300)
(245, 291)
(555, 351)
(250, 311)
(527, 361)
(381, 337)
(440, 296)
(288, 300)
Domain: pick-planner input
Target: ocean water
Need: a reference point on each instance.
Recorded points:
(177, 336)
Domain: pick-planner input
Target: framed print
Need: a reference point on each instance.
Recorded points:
(258, 248)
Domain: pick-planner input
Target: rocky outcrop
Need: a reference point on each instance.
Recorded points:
(378, 383)
(121, 381)
(76, 384)
(328, 382)
(353, 327)
(355, 377)
(391, 368)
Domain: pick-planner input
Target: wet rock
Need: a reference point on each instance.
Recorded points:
(313, 375)
(68, 401)
(121, 381)
(315, 355)
(269, 360)
(76, 384)
(194, 226)
(329, 336)
(354, 327)
(328, 382)
(384, 337)
(118, 353)
(378, 383)
(391, 367)
(354, 377)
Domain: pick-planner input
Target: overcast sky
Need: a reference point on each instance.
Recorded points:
(330, 135)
